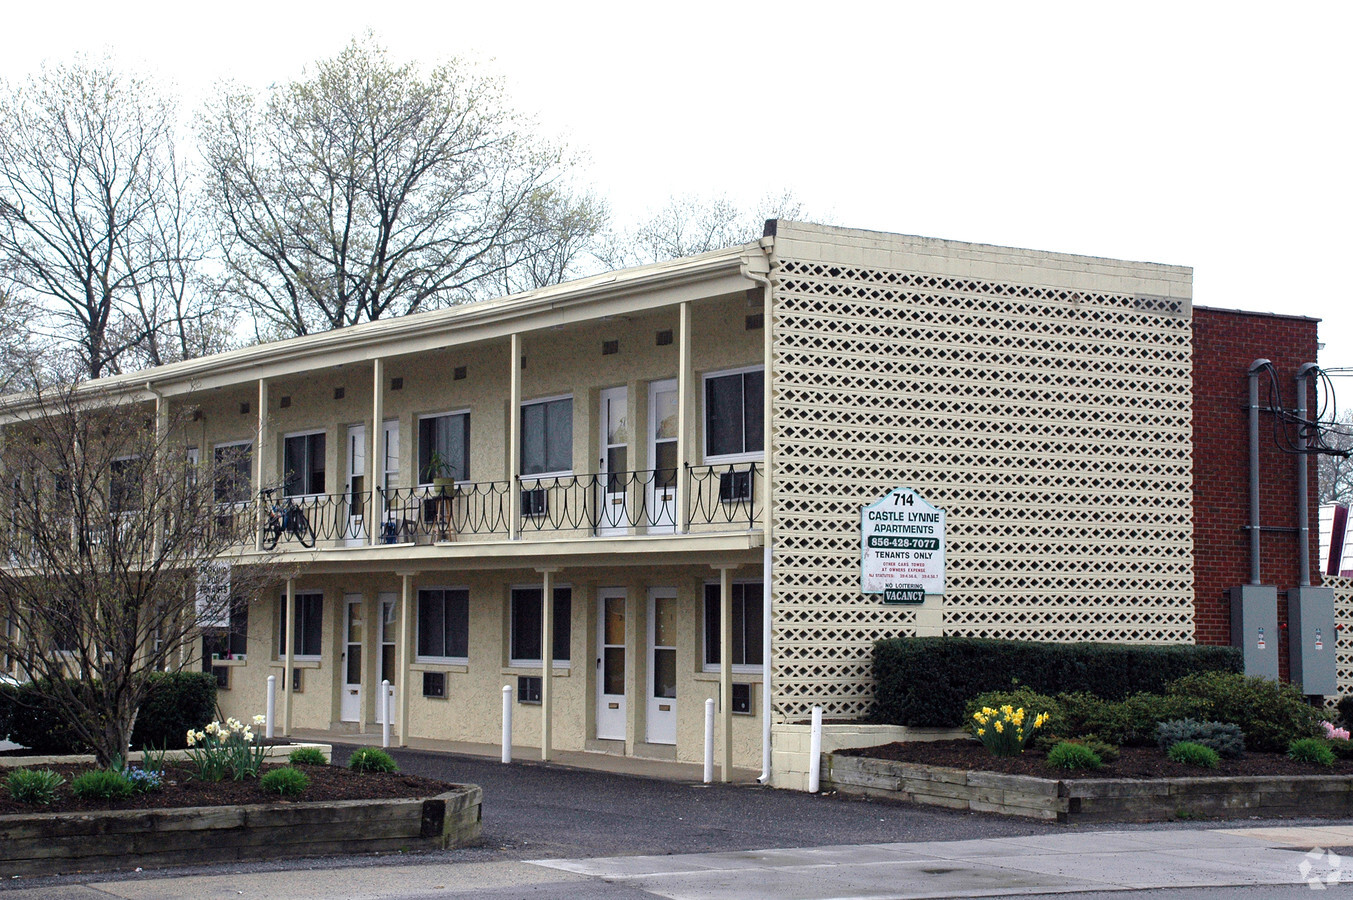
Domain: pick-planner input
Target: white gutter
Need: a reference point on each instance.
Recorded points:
(767, 557)
(383, 337)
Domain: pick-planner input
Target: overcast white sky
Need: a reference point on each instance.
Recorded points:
(1201, 134)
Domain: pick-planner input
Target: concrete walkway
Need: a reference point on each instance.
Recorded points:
(596, 761)
(1053, 863)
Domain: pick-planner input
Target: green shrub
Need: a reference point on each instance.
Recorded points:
(1067, 755)
(1270, 714)
(1191, 754)
(307, 756)
(175, 702)
(101, 784)
(1103, 749)
(371, 759)
(1131, 721)
(1311, 750)
(35, 721)
(928, 681)
(33, 785)
(285, 781)
(1345, 707)
(1225, 738)
(1343, 749)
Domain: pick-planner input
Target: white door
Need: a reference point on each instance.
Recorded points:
(614, 476)
(351, 705)
(611, 664)
(389, 628)
(662, 665)
(662, 430)
(358, 489)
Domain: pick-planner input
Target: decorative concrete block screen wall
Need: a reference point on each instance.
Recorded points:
(1343, 615)
(1041, 399)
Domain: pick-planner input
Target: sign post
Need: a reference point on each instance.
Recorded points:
(901, 547)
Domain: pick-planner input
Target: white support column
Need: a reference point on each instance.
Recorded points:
(402, 655)
(546, 660)
(375, 462)
(685, 409)
(725, 673)
(514, 440)
(768, 523)
(260, 452)
(288, 655)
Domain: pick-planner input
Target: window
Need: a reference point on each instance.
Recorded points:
(444, 624)
(747, 605)
(448, 436)
(124, 484)
(303, 464)
(233, 471)
(309, 630)
(231, 642)
(525, 641)
(547, 437)
(733, 408)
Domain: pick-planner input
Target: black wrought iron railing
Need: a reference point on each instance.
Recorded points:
(650, 501)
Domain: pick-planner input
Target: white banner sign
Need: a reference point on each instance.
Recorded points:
(902, 547)
(213, 596)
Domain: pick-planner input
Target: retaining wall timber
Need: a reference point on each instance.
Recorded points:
(1076, 800)
(51, 843)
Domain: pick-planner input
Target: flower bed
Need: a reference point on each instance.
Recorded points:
(1142, 785)
(193, 821)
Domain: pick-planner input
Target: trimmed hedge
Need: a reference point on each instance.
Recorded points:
(927, 681)
(175, 702)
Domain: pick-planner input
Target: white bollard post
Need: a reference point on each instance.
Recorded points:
(385, 718)
(815, 752)
(507, 723)
(709, 740)
(272, 706)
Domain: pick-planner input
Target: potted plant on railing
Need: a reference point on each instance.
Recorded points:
(442, 474)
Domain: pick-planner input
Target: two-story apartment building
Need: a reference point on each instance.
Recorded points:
(659, 476)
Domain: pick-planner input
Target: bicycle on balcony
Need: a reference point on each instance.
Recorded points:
(285, 516)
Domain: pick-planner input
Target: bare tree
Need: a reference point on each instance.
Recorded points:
(367, 190)
(108, 535)
(92, 213)
(690, 224)
(1336, 472)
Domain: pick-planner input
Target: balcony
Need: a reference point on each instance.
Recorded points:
(722, 498)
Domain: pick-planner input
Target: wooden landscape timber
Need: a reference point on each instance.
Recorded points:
(1083, 800)
(52, 843)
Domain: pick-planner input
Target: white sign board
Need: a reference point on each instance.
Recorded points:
(213, 595)
(902, 547)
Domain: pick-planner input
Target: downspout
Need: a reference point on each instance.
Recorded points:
(1303, 477)
(1256, 367)
(768, 546)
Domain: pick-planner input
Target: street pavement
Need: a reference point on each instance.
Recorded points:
(558, 832)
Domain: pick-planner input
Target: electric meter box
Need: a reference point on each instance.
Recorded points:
(1254, 627)
(1311, 639)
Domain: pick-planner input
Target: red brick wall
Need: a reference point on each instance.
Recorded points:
(1225, 342)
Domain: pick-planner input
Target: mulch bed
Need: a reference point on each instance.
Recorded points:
(181, 788)
(1135, 762)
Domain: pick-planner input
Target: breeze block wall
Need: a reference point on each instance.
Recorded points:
(1041, 399)
(1225, 343)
